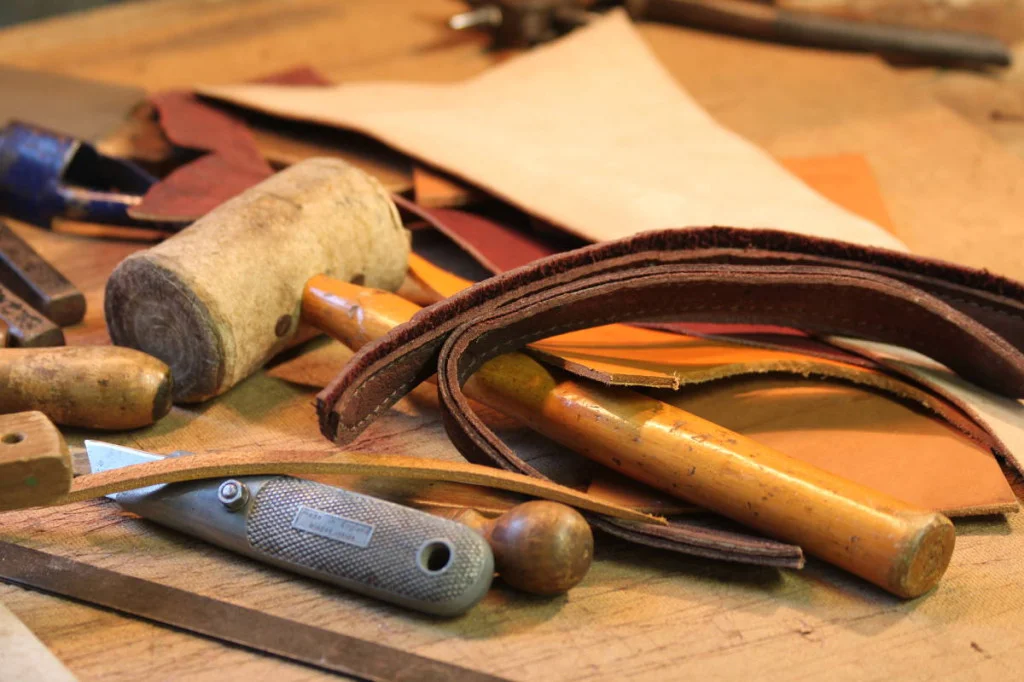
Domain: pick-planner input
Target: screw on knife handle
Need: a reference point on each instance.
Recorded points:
(761, 21)
(540, 547)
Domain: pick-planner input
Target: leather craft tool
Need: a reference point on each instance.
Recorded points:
(46, 174)
(377, 548)
(542, 547)
(523, 23)
(890, 543)
(35, 467)
(254, 630)
(218, 300)
(539, 547)
(94, 387)
(38, 283)
(26, 327)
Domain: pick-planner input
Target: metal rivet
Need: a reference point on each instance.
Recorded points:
(284, 323)
(233, 494)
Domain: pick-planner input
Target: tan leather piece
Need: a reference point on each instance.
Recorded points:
(846, 179)
(854, 432)
(528, 125)
(249, 463)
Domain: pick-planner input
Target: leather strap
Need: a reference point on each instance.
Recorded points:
(244, 463)
(970, 320)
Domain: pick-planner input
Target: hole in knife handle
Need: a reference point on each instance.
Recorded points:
(12, 438)
(435, 556)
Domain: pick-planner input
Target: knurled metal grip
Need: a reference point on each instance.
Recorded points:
(364, 544)
(382, 549)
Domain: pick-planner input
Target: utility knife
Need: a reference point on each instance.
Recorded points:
(361, 543)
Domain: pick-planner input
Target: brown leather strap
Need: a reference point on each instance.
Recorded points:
(969, 320)
(246, 463)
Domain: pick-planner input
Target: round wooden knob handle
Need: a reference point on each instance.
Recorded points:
(539, 547)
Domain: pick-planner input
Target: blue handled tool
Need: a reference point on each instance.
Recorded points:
(46, 175)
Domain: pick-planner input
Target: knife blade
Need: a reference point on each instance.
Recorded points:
(377, 548)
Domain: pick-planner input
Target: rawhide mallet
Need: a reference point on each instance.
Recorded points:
(223, 296)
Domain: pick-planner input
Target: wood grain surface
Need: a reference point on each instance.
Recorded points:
(640, 614)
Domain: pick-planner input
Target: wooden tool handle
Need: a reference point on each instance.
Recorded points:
(884, 540)
(540, 547)
(35, 466)
(95, 387)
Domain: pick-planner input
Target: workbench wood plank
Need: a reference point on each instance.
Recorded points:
(641, 614)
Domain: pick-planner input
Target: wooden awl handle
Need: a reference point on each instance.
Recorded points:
(95, 387)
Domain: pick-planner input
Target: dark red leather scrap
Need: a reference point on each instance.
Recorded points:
(970, 320)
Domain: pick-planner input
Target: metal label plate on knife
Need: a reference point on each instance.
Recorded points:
(333, 527)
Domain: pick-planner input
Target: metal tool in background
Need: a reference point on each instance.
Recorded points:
(522, 23)
(34, 279)
(46, 175)
(254, 630)
(377, 548)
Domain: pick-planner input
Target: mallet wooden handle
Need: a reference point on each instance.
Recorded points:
(95, 387)
(540, 547)
(884, 540)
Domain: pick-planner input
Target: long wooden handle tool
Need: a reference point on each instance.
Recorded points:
(255, 630)
(890, 543)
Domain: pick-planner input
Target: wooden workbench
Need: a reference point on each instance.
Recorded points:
(640, 614)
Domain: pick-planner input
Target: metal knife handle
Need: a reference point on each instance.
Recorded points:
(377, 548)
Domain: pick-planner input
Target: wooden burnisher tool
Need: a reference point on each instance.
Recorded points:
(221, 297)
(893, 544)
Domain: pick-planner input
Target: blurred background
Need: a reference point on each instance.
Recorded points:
(17, 11)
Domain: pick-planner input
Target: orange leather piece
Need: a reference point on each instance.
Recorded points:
(846, 179)
(853, 432)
